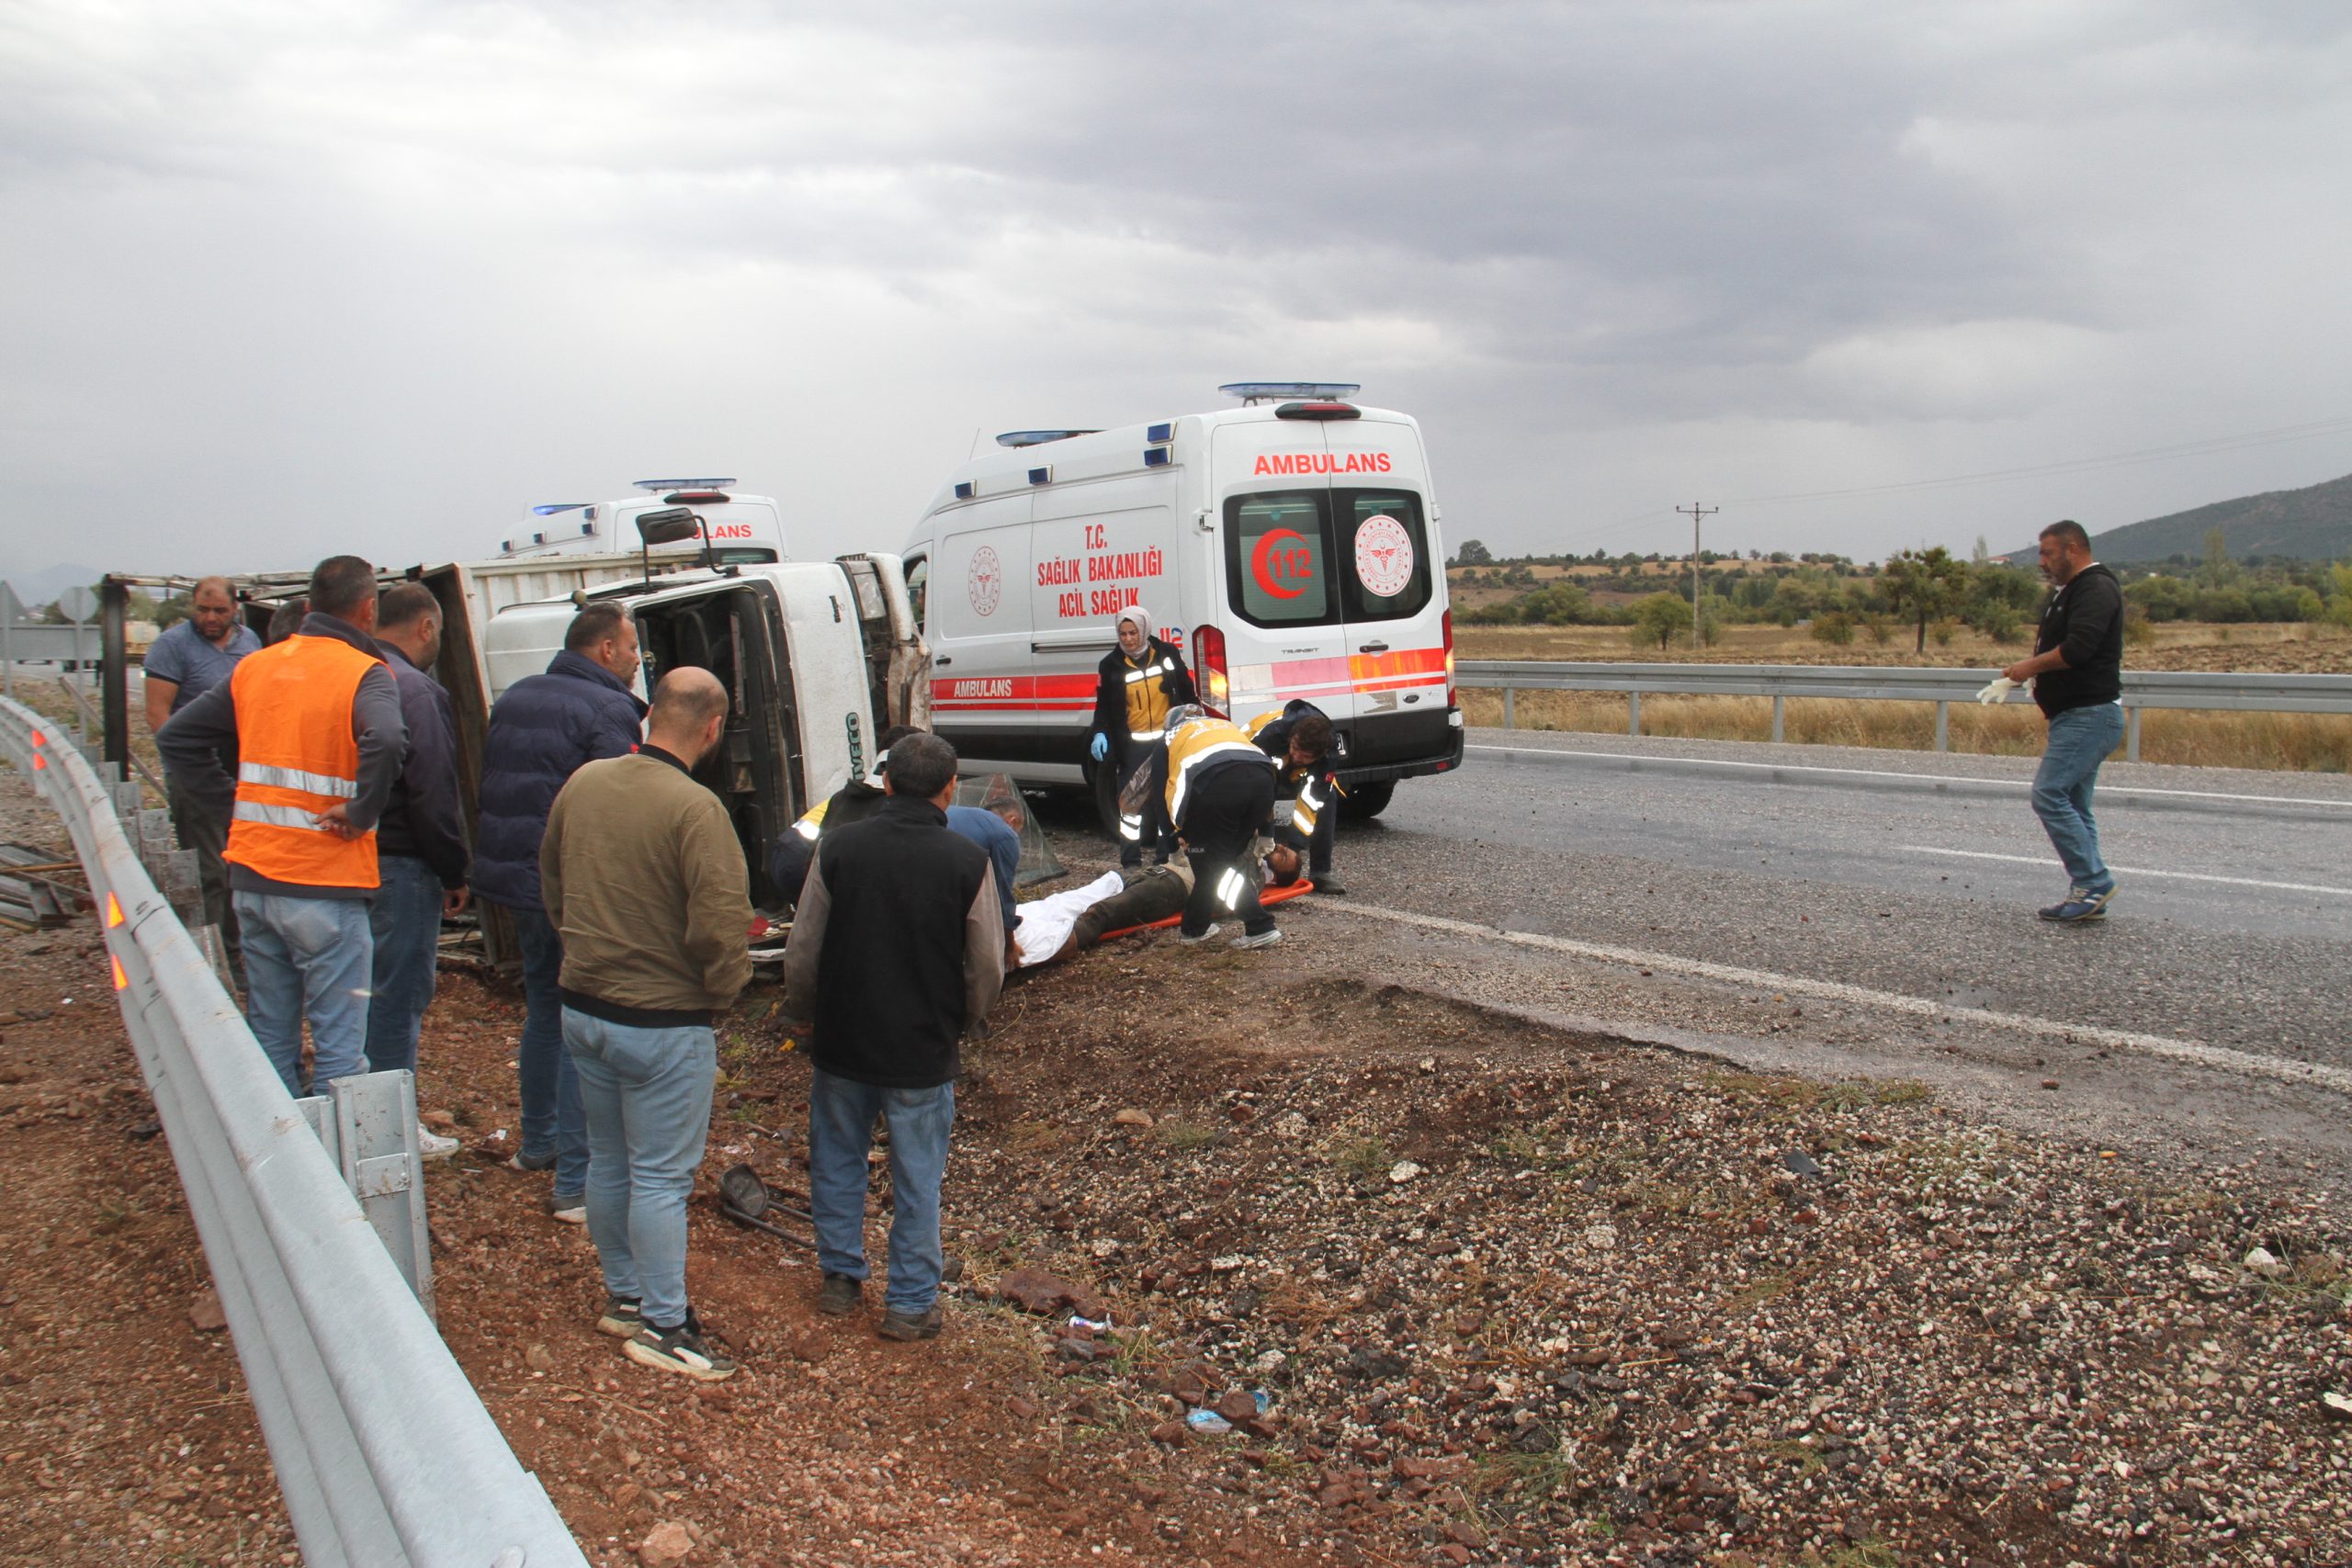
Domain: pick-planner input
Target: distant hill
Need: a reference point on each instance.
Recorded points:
(2313, 524)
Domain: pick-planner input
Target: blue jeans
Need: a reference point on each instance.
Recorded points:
(841, 1130)
(647, 1096)
(405, 917)
(550, 1084)
(306, 957)
(2080, 740)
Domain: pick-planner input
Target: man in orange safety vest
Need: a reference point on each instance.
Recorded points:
(315, 725)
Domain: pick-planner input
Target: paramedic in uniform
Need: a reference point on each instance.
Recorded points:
(1297, 735)
(1220, 793)
(1138, 682)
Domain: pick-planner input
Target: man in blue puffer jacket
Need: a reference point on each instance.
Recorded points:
(542, 729)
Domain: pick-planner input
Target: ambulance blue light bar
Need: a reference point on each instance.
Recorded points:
(553, 507)
(965, 490)
(1017, 438)
(1319, 391)
(659, 485)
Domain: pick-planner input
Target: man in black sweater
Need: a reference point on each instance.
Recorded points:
(897, 950)
(2077, 675)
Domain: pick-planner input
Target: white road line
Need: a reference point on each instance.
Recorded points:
(2192, 1053)
(2135, 871)
(2111, 786)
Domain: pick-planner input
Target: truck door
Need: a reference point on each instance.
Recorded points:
(1282, 619)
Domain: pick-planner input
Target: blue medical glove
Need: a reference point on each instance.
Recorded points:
(1102, 747)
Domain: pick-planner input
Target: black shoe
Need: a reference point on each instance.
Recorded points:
(682, 1349)
(896, 1325)
(839, 1295)
(1326, 885)
(622, 1318)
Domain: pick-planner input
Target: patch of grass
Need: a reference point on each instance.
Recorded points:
(1871, 1553)
(1531, 1478)
(1032, 1138)
(1802, 1455)
(1756, 1292)
(1360, 1156)
(115, 1213)
(1186, 1136)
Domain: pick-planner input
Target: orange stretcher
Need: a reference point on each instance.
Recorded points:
(1268, 896)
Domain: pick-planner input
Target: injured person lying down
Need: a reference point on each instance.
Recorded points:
(1054, 929)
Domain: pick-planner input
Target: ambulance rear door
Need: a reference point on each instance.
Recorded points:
(1391, 592)
(983, 694)
(1281, 619)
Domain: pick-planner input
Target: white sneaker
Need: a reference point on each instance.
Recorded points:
(1185, 941)
(432, 1145)
(1263, 939)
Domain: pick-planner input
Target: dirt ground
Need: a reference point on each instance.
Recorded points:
(1508, 1294)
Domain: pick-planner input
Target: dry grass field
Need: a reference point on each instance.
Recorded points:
(2311, 742)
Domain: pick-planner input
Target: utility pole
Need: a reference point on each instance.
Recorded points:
(1696, 512)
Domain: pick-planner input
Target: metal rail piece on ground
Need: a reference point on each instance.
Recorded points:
(383, 1451)
(2142, 689)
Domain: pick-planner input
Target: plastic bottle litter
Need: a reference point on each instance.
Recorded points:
(1208, 1422)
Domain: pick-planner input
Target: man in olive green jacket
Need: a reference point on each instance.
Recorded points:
(642, 873)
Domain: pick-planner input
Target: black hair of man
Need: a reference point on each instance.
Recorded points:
(2066, 528)
(404, 604)
(1312, 735)
(340, 584)
(920, 765)
(285, 621)
(597, 622)
(896, 733)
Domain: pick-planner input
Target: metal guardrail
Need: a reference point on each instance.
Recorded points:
(2141, 688)
(383, 1452)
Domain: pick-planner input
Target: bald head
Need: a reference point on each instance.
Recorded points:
(689, 709)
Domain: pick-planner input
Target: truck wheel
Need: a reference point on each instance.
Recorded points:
(1366, 801)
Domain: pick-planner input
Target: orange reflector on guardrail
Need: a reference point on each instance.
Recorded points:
(114, 911)
(121, 980)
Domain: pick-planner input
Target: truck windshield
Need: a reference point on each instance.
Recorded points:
(1283, 569)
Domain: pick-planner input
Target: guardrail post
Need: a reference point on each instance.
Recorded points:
(1508, 694)
(1943, 726)
(2131, 734)
(1633, 713)
(1778, 702)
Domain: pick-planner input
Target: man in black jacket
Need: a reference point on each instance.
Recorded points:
(2077, 675)
(897, 950)
(421, 856)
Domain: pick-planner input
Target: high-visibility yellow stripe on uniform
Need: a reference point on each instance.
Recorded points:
(295, 778)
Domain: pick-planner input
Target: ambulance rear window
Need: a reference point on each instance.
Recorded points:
(1385, 553)
(1277, 548)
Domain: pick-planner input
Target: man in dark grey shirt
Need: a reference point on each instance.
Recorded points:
(180, 666)
(2077, 675)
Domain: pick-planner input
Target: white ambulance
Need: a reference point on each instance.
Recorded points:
(1289, 547)
(745, 530)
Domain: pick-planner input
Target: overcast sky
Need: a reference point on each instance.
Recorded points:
(279, 280)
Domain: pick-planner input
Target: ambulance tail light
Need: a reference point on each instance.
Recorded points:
(1447, 621)
(1208, 656)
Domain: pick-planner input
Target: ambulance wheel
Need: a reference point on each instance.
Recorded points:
(1366, 801)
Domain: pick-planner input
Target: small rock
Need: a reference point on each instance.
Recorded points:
(2050, 1083)
(667, 1542)
(1428, 1063)
(537, 1359)
(2265, 1262)
(204, 1315)
(2336, 1404)
(1173, 1434)
(1033, 1290)
(1290, 1126)
(1404, 1170)
(1131, 1117)
(1800, 1163)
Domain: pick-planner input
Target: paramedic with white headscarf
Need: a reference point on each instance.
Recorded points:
(1139, 682)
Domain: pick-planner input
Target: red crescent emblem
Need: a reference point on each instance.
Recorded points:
(1259, 570)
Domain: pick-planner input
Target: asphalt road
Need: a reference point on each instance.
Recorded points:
(1907, 874)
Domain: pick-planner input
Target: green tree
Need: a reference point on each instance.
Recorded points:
(1659, 618)
(1924, 585)
(1473, 553)
(2218, 571)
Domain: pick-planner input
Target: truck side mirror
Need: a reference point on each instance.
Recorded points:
(670, 525)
